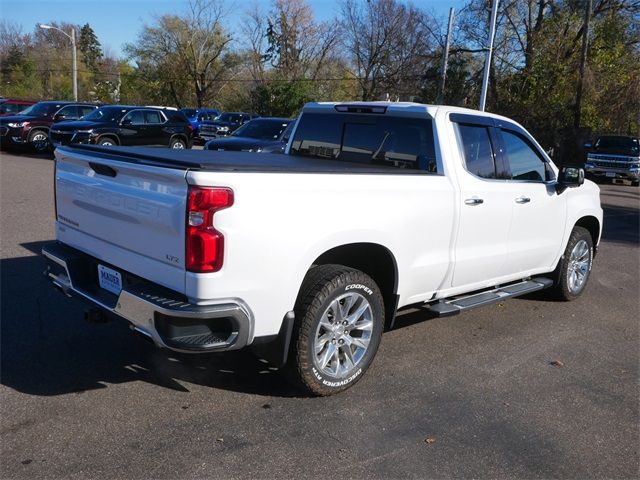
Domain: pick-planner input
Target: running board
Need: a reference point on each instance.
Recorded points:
(455, 305)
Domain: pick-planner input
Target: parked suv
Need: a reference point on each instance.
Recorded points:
(127, 125)
(31, 127)
(268, 135)
(224, 124)
(615, 157)
(10, 106)
(197, 115)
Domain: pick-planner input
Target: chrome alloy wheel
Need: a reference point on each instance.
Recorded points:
(40, 141)
(579, 266)
(178, 145)
(343, 335)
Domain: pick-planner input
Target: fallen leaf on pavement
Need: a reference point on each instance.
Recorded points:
(556, 363)
(430, 440)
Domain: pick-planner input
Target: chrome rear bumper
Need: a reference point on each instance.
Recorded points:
(161, 314)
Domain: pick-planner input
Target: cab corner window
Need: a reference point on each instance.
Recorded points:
(478, 153)
(523, 161)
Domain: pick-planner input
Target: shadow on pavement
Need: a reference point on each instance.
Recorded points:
(46, 348)
(621, 224)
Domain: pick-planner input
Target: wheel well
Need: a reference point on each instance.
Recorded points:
(181, 136)
(374, 260)
(592, 225)
(112, 137)
(38, 129)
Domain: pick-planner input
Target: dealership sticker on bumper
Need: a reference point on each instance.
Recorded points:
(109, 279)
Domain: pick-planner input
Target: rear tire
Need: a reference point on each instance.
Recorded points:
(107, 142)
(339, 323)
(573, 271)
(635, 183)
(178, 143)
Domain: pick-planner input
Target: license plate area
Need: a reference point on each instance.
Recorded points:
(109, 279)
(610, 174)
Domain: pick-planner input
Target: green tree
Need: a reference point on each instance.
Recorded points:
(90, 47)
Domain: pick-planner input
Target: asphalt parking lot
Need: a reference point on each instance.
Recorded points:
(523, 389)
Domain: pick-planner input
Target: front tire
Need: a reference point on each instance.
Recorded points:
(339, 323)
(39, 140)
(575, 265)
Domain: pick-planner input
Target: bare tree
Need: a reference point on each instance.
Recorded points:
(387, 42)
(298, 46)
(194, 47)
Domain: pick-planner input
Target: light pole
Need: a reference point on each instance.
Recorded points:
(71, 37)
(487, 61)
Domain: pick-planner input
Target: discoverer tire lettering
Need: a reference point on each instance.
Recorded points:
(339, 323)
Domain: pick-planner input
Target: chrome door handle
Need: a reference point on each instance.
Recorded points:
(473, 201)
(523, 200)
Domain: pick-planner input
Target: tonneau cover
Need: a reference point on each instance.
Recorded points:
(224, 161)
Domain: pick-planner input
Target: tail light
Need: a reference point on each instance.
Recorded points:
(204, 244)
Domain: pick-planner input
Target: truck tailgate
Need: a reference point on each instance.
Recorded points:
(128, 214)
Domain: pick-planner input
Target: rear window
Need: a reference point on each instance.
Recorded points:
(374, 139)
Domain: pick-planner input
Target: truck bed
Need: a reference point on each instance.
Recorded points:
(228, 161)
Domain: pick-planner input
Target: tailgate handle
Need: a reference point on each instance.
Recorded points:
(105, 170)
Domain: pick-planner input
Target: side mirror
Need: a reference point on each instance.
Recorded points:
(126, 121)
(59, 116)
(569, 177)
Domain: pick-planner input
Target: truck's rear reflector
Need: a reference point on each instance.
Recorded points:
(204, 244)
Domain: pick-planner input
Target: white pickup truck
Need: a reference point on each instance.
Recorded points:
(306, 257)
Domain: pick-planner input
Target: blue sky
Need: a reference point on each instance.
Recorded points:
(118, 21)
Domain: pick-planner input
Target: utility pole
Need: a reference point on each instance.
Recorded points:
(71, 37)
(445, 58)
(583, 62)
(487, 61)
(75, 65)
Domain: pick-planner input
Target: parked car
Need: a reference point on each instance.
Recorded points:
(614, 157)
(265, 134)
(10, 106)
(127, 125)
(30, 128)
(197, 115)
(307, 256)
(224, 124)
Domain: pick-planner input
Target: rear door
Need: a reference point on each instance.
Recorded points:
(486, 205)
(154, 123)
(126, 214)
(133, 128)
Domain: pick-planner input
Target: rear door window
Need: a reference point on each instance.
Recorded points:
(477, 150)
(373, 139)
(152, 116)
